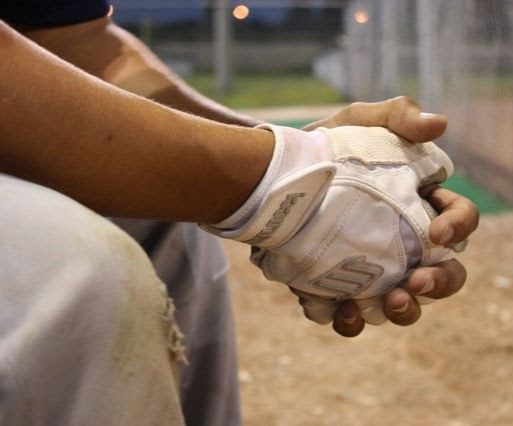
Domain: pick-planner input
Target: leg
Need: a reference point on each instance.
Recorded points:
(86, 335)
(192, 265)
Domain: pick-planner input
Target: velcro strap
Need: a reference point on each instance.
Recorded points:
(285, 209)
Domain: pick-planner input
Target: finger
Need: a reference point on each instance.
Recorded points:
(318, 310)
(372, 310)
(458, 217)
(400, 307)
(424, 300)
(402, 115)
(438, 281)
(348, 321)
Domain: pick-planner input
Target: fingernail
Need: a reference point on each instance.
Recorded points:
(429, 286)
(447, 235)
(427, 115)
(402, 309)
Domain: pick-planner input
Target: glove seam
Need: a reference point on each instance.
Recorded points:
(326, 239)
(389, 172)
(358, 183)
(400, 246)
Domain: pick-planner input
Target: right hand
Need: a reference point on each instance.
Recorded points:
(458, 216)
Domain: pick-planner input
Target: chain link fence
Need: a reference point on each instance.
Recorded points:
(455, 56)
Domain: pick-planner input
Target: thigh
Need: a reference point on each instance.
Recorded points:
(85, 324)
(193, 266)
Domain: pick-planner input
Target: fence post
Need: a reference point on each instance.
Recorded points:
(222, 46)
(430, 81)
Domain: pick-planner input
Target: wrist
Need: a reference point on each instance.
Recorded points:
(293, 185)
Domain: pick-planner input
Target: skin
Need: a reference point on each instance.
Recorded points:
(103, 49)
(134, 158)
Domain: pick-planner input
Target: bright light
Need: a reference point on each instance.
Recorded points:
(241, 12)
(111, 11)
(361, 16)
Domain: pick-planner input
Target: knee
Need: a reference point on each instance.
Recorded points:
(55, 249)
(76, 295)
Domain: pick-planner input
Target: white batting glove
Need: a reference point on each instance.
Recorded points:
(338, 215)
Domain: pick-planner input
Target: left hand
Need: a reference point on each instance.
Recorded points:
(458, 217)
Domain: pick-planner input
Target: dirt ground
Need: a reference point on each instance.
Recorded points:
(454, 367)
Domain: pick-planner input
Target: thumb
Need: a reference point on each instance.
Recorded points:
(402, 115)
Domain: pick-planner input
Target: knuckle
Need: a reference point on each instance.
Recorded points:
(351, 110)
(409, 316)
(406, 101)
(354, 105)
(469, 220)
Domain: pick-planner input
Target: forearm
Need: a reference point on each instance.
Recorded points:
(107, 51)
(116, 152)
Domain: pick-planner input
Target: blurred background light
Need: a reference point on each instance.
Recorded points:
(241, 12)
(361, 16)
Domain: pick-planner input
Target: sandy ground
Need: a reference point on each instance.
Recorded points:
(454, 367)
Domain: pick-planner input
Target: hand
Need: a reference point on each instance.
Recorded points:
(338, 214)
(457, 220)
(369, 230)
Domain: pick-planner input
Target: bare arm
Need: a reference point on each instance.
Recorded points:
(116, 152)
(126, 62)
(105, 50)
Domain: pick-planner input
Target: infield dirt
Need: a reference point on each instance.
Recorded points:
(454, 367)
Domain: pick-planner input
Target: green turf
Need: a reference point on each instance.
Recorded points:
(269, 90)
(293, 123)
(485, 200)
(496, 86)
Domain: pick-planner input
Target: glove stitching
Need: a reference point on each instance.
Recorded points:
(313, 256)
(358, 183)
(389, 172)
(393, 280)
(401, 252)
(326, 239)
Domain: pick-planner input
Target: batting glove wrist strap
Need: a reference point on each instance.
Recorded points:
(293, 186)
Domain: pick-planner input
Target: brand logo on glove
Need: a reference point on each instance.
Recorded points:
(277, 219)
(349, 277)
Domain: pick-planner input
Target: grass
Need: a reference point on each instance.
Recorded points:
(269, 90)
(486, 85)
(256, 90)
(487, 202)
